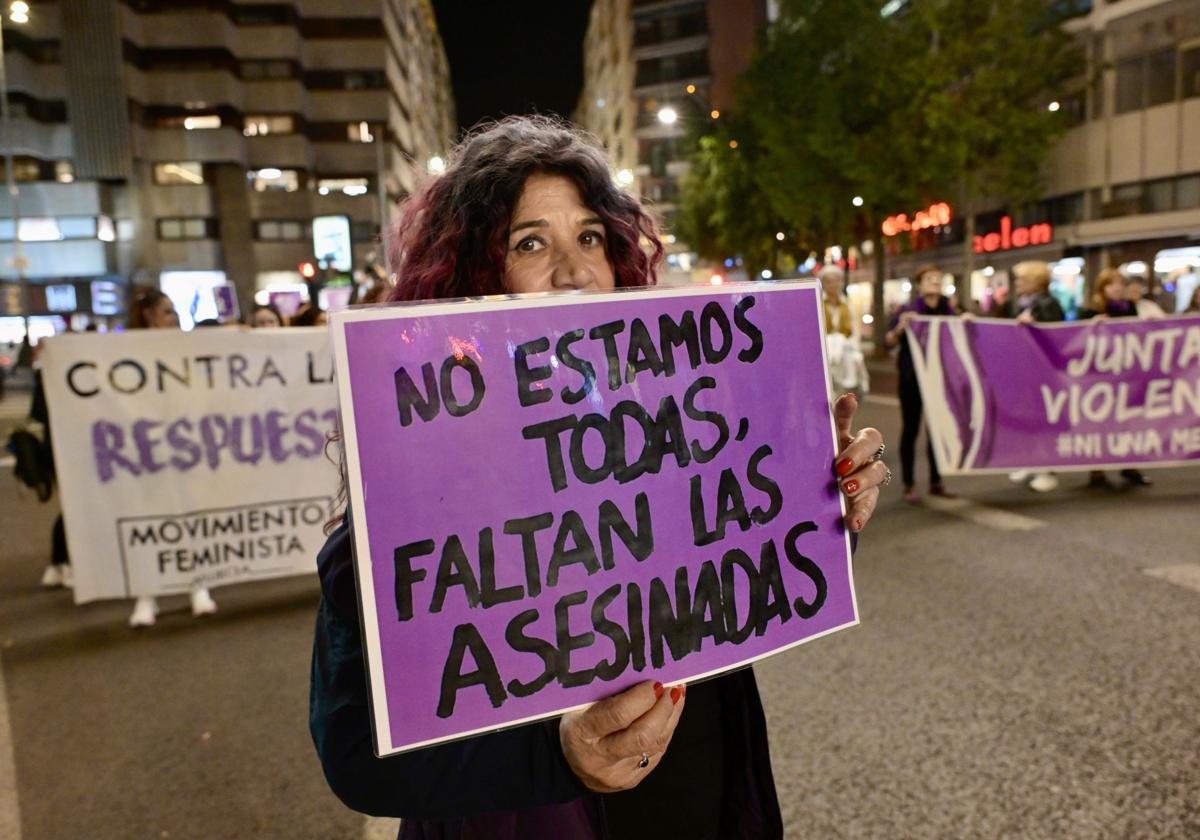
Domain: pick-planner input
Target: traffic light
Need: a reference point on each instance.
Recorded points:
(308, 270)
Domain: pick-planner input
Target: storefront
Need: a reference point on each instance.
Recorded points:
(59, 305)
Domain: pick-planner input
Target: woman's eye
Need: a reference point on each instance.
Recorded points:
(591, 237)
(529, 244)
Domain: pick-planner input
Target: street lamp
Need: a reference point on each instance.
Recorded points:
(667, 115)
(436, 165)
(857, 201)
(18, 12)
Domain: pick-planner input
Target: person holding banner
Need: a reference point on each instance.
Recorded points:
(928, 300)
(1035, 305)
(529, 205)
(151, 309)
(1109, 300)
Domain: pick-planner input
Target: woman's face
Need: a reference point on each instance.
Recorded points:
(1114, 291)
(162, 315)
(555, 243)
(1026, 284)
(266, 318)
(930, 284)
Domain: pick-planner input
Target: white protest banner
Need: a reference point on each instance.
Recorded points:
(190, 459)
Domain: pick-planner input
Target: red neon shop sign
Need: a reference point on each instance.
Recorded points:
(1009, 237)
(934, 215)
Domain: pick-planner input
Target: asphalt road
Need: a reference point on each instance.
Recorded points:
(1018, 673)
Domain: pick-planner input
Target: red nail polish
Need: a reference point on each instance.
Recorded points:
(851, 487)
(658, 690)
(684, 689)
(857, 524)
(844, 467)
(676, 693)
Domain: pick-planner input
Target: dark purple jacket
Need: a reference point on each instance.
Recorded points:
(509, 785)
(904, 362)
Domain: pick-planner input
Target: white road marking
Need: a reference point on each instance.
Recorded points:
(381, 828)
(884, 399)
(1185, 574)
(989, 517)
(10, 811)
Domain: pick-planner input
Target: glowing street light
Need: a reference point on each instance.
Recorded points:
(18, 12)
(715, 114)
(857, 201)
(625, 177)
(733, 144)
(716, 280)
(436, 165)
(780, 236)
(690, 89)
(1053, 106)
(667, 115)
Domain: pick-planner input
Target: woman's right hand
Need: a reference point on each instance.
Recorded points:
(604, 743)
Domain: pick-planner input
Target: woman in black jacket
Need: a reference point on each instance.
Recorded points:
(648, 762)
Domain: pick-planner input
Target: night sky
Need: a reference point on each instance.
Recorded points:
(513, 56)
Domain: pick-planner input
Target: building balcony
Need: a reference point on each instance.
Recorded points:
(345, 158)
(278, 204)
(179, 29)
(279, 96)
(181, 201)
(285, 151)
(348, 105)
(209, 146)
(52, 199)
(173, 87)
(43, 81)
(48, 141)
(48, 260)
(671, 46)
(266, 42)
(195, 254)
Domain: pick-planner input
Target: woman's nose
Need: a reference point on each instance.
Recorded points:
(571, 271)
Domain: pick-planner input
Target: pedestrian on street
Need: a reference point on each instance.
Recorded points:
(529, 205)
(1109, 300)
(847, 366)
(265, 315)
(58, 572)
(927, 300)
(1033, 304)
(1145, 307)
(151, 309)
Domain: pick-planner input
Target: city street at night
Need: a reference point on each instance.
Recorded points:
(1027, 667)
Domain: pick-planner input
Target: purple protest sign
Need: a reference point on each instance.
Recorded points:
(556, 497)
(1003, 396)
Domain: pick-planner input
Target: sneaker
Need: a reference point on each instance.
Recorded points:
(939, 489)
(145, 612)
(1043, 482)
(52, 578)
(202, 602)
(911, 495)
(1019, 477)
(68, 575)
(1136, 478)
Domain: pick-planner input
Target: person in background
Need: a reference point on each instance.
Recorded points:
(266, 316)
(1033, 304)
(58, 572)
(927, 300)
(1144, 307)
(1194, 306)
(1108, 300)
(837, 311)
(530, 205)
(309, 315)
(151, 309)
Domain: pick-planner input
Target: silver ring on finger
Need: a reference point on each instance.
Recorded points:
(878, 456)
(645, 762)
(887, 479)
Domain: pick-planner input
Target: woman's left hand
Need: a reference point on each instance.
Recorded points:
(860, 473)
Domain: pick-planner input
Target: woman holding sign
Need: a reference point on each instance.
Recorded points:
(528, 205)
(151, 309)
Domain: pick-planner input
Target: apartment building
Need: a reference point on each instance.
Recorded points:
(1123, 183)
(663, 66)
(193, 143)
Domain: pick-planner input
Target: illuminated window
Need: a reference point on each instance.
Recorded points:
(270, 179)
(360, 132)
(179, 172)
(64, 172)
(279, 230)
(186, 229)
(260, 125)
(346, 186)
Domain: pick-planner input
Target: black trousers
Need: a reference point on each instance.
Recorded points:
(58, 543)
(911, 409)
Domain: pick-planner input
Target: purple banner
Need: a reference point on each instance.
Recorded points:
(558, 497)
(1003, 396)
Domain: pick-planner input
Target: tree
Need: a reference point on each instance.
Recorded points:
(723, 210)
(991, 69)
(827, 92)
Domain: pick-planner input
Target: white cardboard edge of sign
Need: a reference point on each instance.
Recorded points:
(946, 469)
(361, 546)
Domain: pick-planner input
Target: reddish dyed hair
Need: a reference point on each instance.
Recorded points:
(451, 238)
